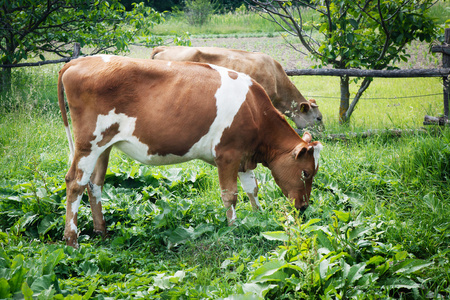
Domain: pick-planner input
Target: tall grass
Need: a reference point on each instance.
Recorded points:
(228, 24)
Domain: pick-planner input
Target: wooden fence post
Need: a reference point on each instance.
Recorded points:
(445, 50)
(76, 50)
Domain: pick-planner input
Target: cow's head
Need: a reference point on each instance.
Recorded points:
(308, 115)
(294, 172)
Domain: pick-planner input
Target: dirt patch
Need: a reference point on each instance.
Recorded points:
(279, 49)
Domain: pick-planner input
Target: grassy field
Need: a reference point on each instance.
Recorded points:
(378, 226)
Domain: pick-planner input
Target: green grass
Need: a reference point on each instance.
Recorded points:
(228, 24)
(387, 103)
(378, 225)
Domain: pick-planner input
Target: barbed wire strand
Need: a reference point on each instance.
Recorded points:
(379, 98)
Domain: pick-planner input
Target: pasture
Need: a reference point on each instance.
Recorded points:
(378, 226)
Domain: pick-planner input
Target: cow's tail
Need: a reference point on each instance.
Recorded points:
(62, 107)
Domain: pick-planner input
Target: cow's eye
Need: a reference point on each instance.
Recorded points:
(305, 174)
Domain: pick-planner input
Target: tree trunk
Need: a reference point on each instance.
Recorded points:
(5, 79)
(345, 99)
(364, 85)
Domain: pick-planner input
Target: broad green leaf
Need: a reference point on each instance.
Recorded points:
(177, 277)
(343, 216)
(257, 288)
(17, 277)
(401, 255)
(47, 224)
(354, 23)
(4, 289)
(324, 240)
(375, 260)
(27, 291)
(267, 272)
(180, 235)
(355, 273)
(400, 283)
(90, 291)
(410, 266)
(308, 224)
(275, 236)
(89, 268)
(325, 268)
(43, 283)
(357, 232)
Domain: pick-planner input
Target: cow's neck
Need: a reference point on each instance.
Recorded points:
(291, 93)
(281, 140)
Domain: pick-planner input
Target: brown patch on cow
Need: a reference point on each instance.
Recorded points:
(233, 75)
(173, 127)
(108, 134)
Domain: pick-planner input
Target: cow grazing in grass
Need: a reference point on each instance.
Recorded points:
(160, 112)
(261, 67)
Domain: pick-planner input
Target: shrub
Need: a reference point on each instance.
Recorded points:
(198, 12)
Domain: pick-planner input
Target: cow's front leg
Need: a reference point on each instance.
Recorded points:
(228, 173)
(250, 186)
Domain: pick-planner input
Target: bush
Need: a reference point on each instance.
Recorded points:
(198, 12)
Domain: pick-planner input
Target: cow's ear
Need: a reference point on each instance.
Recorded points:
(313, 103)
(299, 151)
(304, 107)
(307, 137)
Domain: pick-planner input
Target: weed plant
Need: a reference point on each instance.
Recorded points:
(377, 227)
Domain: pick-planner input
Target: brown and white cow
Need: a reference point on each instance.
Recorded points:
(261, 67)
(161, 112)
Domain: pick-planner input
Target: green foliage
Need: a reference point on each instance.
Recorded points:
(346, 258)
(33, 29)
(355, 34)
(371, 35)
(377, 226)
(198, 12)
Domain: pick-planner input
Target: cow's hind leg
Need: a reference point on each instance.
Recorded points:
(95, 186)
(74, 192)
(250, 186)
(77, 179)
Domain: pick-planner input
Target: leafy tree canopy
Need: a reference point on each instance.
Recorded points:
(31, 27)
(367, 34)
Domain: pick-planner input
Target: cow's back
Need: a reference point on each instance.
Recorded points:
(176, 109)
(261, 67)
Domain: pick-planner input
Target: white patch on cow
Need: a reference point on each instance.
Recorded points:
(73, 227)
(248, 182)
(76, 204)
(233, 215)
(97, 192)
(106, 58)
(169, 63)
(317, 149)
(125, 133)
(229, 98)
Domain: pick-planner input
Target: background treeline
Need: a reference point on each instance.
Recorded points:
(168, 5)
